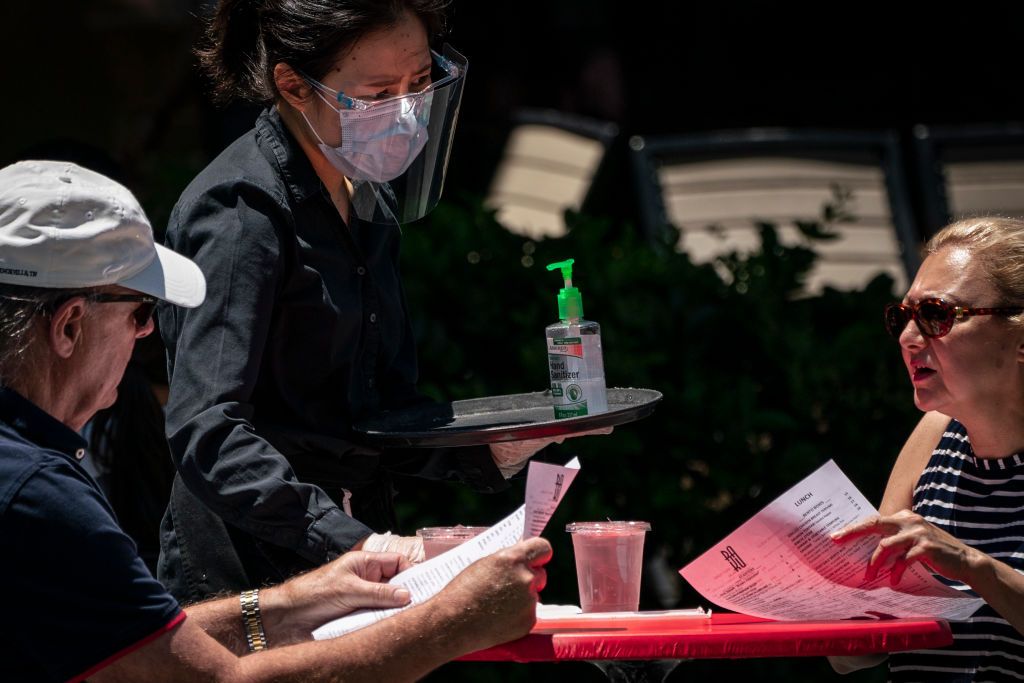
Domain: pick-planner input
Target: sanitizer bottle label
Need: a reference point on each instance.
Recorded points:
(575, 383)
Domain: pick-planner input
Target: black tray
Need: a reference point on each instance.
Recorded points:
(498, 418)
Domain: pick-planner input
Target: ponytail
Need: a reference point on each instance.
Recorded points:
(234, 55)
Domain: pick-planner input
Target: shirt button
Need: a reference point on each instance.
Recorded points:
(373, 317)
(80, 453)
(361, 271)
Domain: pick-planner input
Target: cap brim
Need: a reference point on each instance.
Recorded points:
(170, 277)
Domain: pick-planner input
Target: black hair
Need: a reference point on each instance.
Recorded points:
(246, 39)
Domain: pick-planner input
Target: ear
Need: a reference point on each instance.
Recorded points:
(65, 330)
(292, 87)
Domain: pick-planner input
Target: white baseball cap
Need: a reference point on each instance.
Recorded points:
(66, 227)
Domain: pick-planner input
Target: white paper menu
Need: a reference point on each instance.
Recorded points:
(781, 564)
(546, 484)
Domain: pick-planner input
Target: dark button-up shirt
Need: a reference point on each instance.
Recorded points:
(304, 330)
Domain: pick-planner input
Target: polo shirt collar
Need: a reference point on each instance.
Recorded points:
(38, 426)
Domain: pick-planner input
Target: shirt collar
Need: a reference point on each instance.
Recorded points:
(286, 153)
(38, 426)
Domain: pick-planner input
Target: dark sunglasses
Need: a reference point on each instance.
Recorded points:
(142, 314)
(935, 317)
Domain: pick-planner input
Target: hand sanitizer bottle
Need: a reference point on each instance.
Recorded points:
(574, 355)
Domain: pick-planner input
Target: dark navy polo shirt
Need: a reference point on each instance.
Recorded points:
(76, 595)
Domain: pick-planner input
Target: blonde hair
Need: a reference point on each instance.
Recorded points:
(997, 243)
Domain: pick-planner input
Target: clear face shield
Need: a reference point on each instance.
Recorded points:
(395, 150)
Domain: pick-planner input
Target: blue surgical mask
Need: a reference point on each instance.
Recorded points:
(395, 150)
(379, 142)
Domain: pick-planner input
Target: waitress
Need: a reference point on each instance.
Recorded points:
(305, 327)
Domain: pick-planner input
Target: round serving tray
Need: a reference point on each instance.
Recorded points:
(515, 417)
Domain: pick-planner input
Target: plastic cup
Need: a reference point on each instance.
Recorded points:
(609, 559)
(437, 539)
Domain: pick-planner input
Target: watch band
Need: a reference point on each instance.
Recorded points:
(252, 622)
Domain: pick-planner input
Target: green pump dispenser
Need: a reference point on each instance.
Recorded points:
(570, 301)
(575, 364)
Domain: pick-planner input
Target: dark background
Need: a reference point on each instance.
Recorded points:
(759, 388)
(118, 74)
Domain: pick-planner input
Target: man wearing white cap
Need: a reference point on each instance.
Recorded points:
(79, 278)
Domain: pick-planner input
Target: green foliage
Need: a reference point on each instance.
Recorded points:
(762, 382)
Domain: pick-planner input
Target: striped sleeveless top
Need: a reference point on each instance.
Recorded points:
(981, 502)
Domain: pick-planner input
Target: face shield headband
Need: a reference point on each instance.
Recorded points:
(448, 68)
(395, 150)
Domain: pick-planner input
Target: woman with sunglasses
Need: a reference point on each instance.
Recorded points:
(955, 498)
(304, 330)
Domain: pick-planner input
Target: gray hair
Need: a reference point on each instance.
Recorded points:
(19, 307)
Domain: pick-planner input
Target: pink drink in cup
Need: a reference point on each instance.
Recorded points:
(609, 559)
(437, 539)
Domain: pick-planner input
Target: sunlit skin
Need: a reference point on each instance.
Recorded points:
(82, 349)
(108, 338)
(974, 373)
(392, 61)
(77, 357)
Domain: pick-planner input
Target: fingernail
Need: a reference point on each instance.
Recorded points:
(403, 595)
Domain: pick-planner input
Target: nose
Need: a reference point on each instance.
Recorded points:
(911, 337)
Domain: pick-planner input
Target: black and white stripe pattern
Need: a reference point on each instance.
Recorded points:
(981, 502)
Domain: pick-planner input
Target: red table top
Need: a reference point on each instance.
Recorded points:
(726, 635)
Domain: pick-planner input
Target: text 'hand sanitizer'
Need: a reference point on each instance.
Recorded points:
(574, 355)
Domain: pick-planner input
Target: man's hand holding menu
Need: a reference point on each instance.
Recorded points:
(546, 485)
